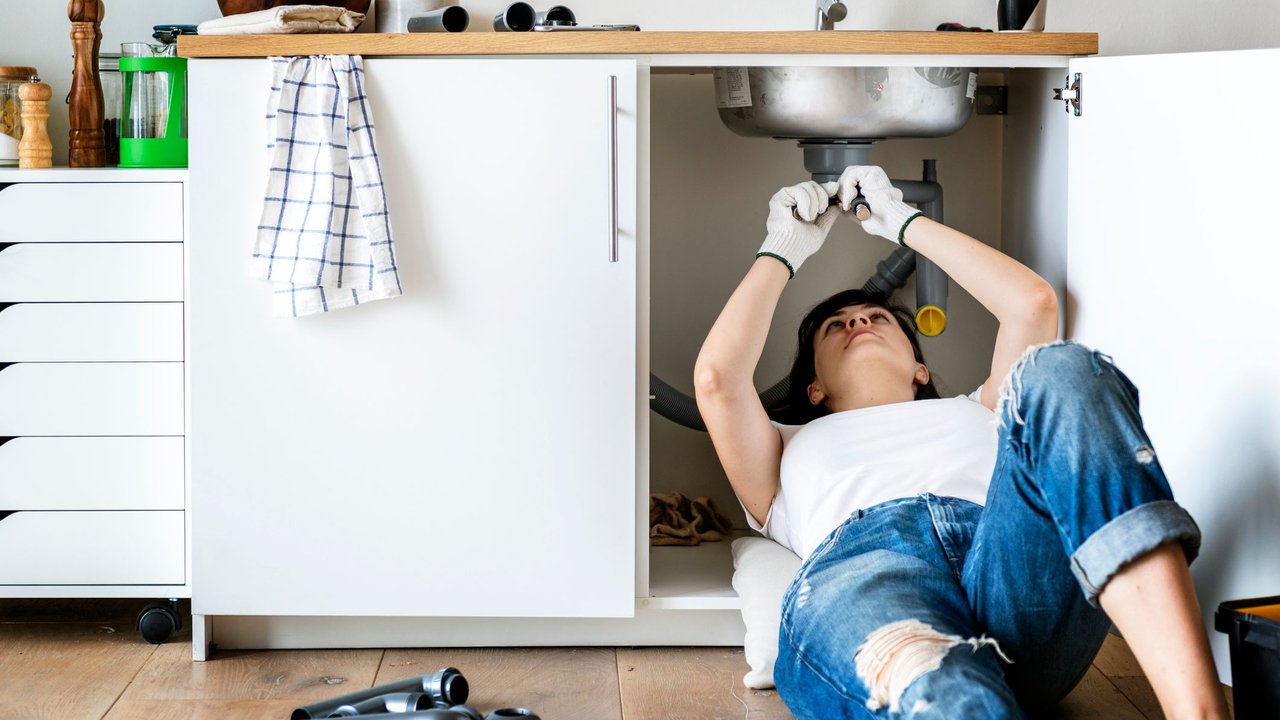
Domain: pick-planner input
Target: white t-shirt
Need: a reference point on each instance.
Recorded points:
(852, 460)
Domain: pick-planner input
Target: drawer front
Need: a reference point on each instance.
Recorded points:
(66, 272)
(80, 332)
(91, 212)
(92, 548)
(91, 399)
(92, 473)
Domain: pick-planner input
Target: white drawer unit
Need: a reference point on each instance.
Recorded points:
(93, 457)
(87, 332)
(91, 399)
(91, 473)
(92, 548)
(90, 212)
(103, 272)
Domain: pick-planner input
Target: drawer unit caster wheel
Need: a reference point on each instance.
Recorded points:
(159, 621)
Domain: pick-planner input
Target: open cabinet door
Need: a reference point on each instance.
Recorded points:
(1173, 188)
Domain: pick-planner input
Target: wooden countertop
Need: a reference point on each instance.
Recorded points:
(642, 43)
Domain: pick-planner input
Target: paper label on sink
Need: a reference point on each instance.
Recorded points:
(972, 90)
(733, 87)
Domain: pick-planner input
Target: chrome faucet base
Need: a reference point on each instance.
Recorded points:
(830, 12)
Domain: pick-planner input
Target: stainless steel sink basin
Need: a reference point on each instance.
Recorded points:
(845, 102)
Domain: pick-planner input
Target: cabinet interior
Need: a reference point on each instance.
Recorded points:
(708, 194)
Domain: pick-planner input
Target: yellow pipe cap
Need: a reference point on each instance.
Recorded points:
(931, 320)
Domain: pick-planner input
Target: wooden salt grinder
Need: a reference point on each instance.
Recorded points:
(88, 142)
(35, 150)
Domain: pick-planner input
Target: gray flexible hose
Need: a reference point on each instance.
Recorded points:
(677, 407)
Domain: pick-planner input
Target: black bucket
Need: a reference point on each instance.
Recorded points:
(1253, 628)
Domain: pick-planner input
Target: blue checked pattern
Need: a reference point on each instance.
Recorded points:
(325, 234)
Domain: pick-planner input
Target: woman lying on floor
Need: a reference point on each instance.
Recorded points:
(949, 571)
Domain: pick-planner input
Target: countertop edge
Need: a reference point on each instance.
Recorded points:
(641, 43)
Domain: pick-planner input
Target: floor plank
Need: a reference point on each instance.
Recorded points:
(241, 684)
(555, 683)
(60, 666)
(1115, 660)
(66, 670)
(1139, 692)
(664, 683)
(1096, 697)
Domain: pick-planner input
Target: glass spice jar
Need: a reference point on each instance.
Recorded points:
(11, 78)
(112, 83)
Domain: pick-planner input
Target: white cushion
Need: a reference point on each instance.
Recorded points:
(762, 570)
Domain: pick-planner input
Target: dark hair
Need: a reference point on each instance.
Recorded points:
(796, 408)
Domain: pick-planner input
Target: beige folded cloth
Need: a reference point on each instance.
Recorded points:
(677, 520)
(283, 20)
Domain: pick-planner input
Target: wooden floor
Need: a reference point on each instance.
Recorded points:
(73, 660)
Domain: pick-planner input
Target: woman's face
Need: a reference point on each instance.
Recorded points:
(862, 344)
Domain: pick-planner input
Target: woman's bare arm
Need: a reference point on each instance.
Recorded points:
(1023, 302)
(749, 446)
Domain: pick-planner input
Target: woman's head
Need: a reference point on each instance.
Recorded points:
(835, 361)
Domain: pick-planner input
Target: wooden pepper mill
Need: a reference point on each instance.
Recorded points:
(88, 143)
(35, 150)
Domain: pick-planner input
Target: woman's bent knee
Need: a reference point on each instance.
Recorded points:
(1065, 373)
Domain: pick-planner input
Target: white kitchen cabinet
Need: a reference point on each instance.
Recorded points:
(466, 450)
(92, 469)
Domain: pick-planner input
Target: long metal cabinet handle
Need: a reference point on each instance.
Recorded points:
(613, 168)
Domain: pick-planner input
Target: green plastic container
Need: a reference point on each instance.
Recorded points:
(153, 112)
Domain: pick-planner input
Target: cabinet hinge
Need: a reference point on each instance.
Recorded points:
(1070, 95)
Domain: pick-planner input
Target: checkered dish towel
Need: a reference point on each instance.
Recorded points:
(325, 234)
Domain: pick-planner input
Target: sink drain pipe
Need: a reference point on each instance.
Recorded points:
(825, 161)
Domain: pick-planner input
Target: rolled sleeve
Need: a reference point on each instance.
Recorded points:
(1129, 537)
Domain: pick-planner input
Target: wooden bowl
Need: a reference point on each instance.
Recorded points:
(236, 7)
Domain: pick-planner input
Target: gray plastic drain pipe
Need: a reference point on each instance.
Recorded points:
(389, 703)
(825, 161)
(447, 685)
(452, 18)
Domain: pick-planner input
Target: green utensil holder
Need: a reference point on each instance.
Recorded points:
(153, 112)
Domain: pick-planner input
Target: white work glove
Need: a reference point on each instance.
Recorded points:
(800, 217)
(889, 215)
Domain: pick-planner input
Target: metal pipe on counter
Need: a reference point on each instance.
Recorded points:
(555, 15)
(454, 18)
(392, 16)
(518, 17)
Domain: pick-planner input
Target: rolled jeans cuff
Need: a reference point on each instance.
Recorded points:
(1129, 537)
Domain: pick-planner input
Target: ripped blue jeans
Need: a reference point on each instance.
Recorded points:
(935, 607)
